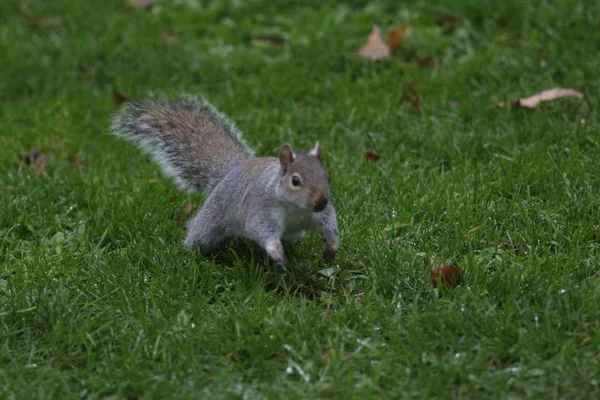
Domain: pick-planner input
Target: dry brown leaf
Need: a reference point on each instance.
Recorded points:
(370, 156)
(376, 48)
(551, 94)
(188, 208)
(77, 162)
(270, 39)
(396, 36)
(37, 159)
(412, 96)
(142, 3)
(427, 62)
(172, 198)
(445, 19)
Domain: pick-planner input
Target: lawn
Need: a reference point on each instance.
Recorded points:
(99, 298)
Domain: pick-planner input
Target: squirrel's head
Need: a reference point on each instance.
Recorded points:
(304, 181)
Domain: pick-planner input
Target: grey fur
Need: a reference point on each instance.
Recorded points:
(191, 140)
(248, 197)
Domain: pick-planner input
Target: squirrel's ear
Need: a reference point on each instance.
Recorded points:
(286, 157)
(316, 152)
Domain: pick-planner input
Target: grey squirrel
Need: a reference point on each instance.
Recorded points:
(263, 199)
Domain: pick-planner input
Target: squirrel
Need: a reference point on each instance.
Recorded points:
(264, 199)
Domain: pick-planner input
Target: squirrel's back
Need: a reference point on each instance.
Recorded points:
(190, 139)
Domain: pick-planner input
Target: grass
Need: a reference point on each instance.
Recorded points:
(98, 298)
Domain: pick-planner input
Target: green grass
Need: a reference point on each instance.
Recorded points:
(99, 299)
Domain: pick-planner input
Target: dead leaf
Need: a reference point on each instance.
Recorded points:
(172, 198)
(376, 48)
(546, 95)
(188, 208)
(77, 162)
(142, 3)
(396, 36)
(412, 96)
(445, 19)
(551, 94)
(37, 159)
(427, 62)
(120, 97)
(270, 39)
(370, 156)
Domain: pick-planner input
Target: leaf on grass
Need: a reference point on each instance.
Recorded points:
(76, 162)
(142, 3)
(412, 96)
(551, 94)
(396, 36)
(546, 95)
(188, 208)
(428, 61)
(36, 159)
(376, 48)
(445, 19)
(370, 156)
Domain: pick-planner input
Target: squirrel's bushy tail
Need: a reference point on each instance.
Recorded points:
(190, 139)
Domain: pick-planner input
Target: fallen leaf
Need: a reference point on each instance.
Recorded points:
(445, 19)
(120, 97)
(77, 162)
(427, 62)
(271, 39)
(37, 159)
(412, 96)
(546, 95)
(396, 36)
(370, 156)
(376, 48)
(188, 208)
(448, 275)
(142, 3)
(172, 198)
(551, 94)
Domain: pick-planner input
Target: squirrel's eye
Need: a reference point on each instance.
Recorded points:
(296, 180)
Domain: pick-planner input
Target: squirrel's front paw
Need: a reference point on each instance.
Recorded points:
(331, 248)
(275, 251)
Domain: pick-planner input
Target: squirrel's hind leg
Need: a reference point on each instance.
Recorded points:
(203, 234)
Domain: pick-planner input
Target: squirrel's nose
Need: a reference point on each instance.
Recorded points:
(320, 204)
